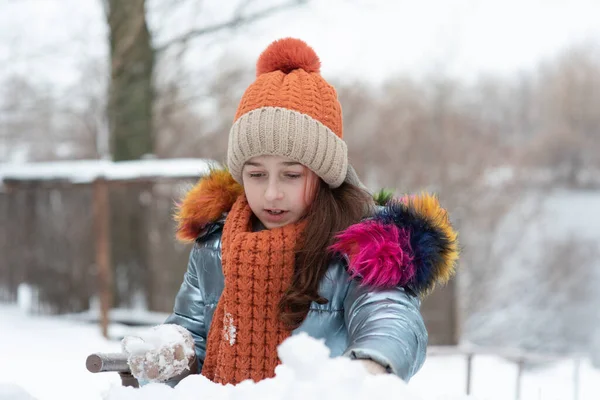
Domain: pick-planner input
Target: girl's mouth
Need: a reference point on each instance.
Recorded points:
(275, 212)
(275, 215)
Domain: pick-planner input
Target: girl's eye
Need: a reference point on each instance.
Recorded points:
(255, 174)
(293, 176)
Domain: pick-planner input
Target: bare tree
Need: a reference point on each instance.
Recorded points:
(185, 131)
(133, 56)
(131, 92)
(567, 97)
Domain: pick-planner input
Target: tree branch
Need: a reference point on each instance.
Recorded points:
(237, 20)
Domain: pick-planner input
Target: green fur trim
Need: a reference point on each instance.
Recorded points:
(383, 196)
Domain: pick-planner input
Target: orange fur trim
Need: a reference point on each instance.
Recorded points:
(213, 195)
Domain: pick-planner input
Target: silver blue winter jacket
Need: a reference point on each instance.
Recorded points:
(373, 287)
(383, 325)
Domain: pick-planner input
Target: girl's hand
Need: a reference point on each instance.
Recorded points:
(373, 368)
(165, 352)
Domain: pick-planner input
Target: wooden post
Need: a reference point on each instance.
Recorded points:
(102, 238)
(520, 365)
(469, 372)
(576, 377)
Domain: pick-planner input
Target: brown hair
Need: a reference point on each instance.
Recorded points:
(331, 211)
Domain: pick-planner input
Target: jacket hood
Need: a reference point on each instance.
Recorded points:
(408, 242)
(205, 203)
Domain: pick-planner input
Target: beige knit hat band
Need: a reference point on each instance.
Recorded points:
(288, 133)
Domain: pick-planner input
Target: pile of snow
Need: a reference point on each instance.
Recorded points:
(306, 372)
(43, 358)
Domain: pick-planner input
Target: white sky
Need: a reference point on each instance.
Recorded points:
(50, 40)
(458, 37)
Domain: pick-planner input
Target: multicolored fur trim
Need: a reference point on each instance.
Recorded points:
(205, 203)
(410, 242)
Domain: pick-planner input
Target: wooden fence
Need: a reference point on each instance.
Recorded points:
(520, 358)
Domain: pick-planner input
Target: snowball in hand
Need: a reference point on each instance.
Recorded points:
(159, 354)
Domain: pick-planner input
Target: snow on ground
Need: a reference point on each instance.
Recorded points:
(44, 358)
(13, 392)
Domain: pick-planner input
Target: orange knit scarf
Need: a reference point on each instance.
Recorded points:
(246, 330)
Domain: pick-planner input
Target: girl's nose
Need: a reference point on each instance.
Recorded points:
(273, 191)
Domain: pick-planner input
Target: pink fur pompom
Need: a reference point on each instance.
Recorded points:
(378, 253)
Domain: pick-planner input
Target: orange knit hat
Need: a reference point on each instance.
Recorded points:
(290, 110)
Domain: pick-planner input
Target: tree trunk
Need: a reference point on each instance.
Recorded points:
(131, 95)
(130, 110)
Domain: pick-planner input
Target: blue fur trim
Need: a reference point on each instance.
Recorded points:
(428, 242)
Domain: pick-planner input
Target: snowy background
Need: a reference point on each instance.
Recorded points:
(493, 104)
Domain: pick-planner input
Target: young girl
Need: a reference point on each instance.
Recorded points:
(287, 240)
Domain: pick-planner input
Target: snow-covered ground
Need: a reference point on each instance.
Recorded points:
(44, 358)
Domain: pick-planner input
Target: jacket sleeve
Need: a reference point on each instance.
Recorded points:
(404, 250)
(386, 326)
(188, 310)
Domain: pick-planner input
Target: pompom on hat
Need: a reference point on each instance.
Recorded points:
(291, 111)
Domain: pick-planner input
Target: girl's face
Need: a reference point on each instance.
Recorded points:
(279, 190)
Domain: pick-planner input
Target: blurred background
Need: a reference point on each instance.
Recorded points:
(111, 109)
